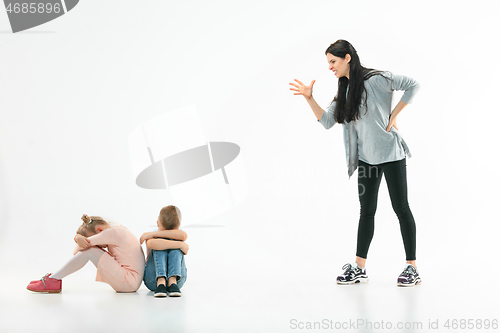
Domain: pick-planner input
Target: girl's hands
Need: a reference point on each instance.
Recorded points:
(392, 122)
(82, 242)
(302, 89)
(145, 236)
(184, 248)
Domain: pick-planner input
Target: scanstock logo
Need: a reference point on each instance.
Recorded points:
(28, 14)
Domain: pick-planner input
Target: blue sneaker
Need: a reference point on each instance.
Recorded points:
(352, 274)
(409, 277)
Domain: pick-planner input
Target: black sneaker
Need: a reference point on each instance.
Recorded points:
(352, 274)
(161, 291)
(173, 291)
(409, 277)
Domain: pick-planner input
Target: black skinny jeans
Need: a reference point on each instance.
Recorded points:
(369, 177)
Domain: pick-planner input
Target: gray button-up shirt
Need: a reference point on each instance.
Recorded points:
(366, 138)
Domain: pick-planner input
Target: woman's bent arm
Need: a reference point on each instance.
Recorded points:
(318, 111)
(392, 118)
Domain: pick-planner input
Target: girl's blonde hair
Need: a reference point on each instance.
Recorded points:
(170, 217)
(89, 224)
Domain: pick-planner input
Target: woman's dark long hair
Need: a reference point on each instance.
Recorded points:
(347, 108)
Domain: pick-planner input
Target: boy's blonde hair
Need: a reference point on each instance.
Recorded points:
(89, 224)
(170, 217)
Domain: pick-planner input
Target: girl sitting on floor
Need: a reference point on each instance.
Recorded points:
(121, 266)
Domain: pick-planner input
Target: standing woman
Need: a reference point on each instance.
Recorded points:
(373, 145)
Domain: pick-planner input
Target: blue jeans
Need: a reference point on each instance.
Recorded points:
(165, 263)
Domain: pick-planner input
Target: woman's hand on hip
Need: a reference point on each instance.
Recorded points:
(392, 118)
(392, 122)
(302, 89)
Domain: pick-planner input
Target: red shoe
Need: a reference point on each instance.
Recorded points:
(45, 285)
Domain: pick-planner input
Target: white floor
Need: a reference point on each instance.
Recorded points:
(278, 276)
(73, 89)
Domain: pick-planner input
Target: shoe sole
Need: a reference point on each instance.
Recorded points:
(45, 291)
(160, 294)
(175, 294)
(419, 281)
(360, 280)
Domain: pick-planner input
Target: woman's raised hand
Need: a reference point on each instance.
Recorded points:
(302, 89)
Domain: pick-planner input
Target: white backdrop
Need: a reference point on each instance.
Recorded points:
(73, 89)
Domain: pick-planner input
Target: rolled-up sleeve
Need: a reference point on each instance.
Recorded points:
(409, 85)
(327, 120)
